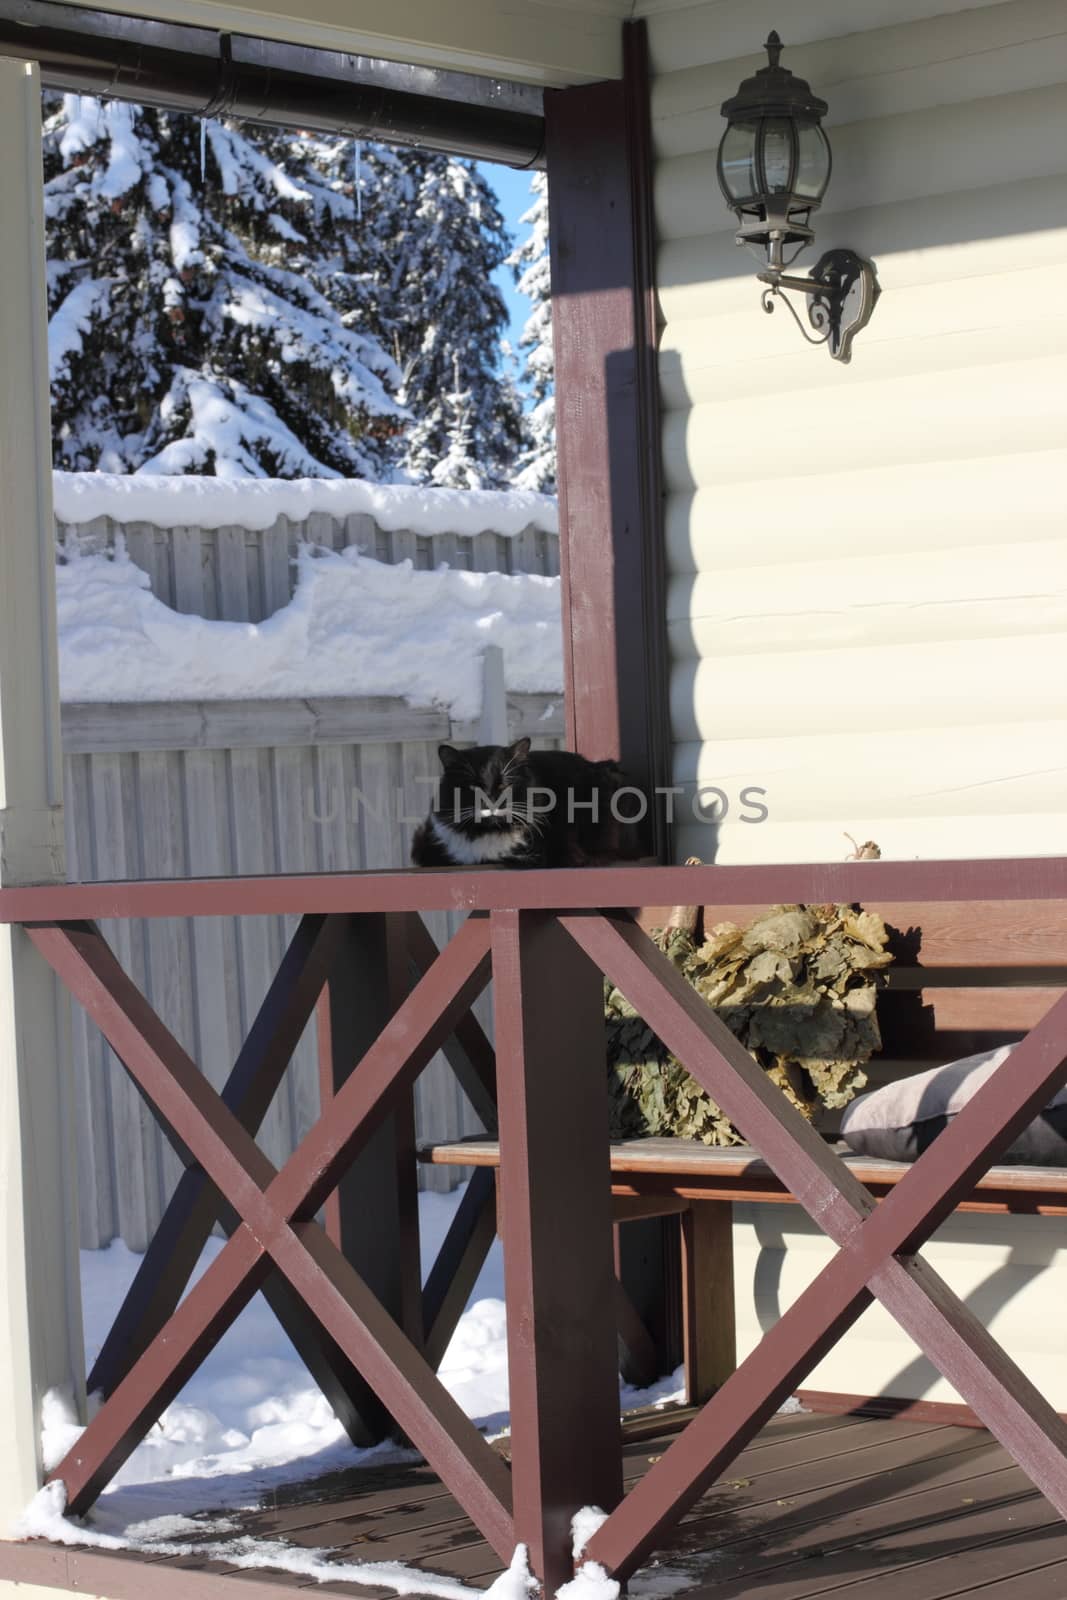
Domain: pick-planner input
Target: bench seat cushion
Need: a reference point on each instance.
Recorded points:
(899, 1121)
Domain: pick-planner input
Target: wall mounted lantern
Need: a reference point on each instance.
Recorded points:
(774, 167)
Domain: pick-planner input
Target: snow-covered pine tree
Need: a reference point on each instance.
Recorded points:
(457, 468)
(444, 236)
(210, 303)
(530, 262)
(350, 182)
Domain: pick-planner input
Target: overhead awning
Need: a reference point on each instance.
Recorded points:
(208, 72)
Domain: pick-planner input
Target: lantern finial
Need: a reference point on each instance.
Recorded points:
(773, 47)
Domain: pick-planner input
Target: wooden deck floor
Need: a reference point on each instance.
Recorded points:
(864, 1509)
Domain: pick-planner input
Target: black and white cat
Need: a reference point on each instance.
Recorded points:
(522, 808)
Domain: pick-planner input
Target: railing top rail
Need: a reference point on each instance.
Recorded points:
(877, 883)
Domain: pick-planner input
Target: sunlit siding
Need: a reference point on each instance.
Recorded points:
(866, 601)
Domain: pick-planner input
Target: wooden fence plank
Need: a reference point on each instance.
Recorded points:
(187, 556)
(295, 841)
(446, 548)
(328, 809)
(527, 552)
(209, 555)
(419, 764)
(148, 548)
(168, 966)
(378, 783)
(373, 718)
(90, 537)
(361, 530)
(137, 1181)
(259, 723)
(403, 544)
(277, 578)
(91, 727)
(322, 529)
(258, 939)
(486, 554)
(232, 574)
(215, 956)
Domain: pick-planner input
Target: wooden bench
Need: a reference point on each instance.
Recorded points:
(966, 976)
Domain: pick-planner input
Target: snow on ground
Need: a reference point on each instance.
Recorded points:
(353, 627)
(251, 1420)
(256, 503)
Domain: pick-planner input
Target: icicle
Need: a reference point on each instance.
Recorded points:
(359, 179)
(203, 146)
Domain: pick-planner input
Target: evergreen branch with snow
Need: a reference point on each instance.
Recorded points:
(536, 468)
(236, 301)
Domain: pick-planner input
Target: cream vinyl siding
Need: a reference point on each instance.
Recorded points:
(1008, 1270)
(866, 601)
(867, 606)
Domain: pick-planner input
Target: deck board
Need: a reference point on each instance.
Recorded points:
(845, 1483)
(1043, 1583)
(815, 1506)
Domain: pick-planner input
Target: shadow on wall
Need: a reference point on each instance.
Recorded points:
(917, 1378)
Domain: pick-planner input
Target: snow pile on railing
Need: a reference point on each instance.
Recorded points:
(353, 627)
(257, 503)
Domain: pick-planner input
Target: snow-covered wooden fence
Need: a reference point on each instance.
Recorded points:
(244, 570)
(224, 786)
(191, 790)
(245, 574)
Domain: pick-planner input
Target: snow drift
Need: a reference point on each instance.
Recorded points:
(353, 627)
(257, 503)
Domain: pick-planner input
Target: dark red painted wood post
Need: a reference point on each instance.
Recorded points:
(559, 1275)
(599, 161)
(372, 1215)
(598, 153)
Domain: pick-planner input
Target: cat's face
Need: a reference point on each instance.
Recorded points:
(484, 790)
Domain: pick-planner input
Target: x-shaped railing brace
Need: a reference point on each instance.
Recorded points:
(195, 1206)
(276, 1227)
(876, 1245)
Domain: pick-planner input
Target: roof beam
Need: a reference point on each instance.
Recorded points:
(210, 73)
(547, 42)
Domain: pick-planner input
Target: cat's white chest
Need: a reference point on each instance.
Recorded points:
(490, 847)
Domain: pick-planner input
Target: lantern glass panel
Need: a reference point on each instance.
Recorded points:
(778, 146)
(737, 161)
(813, 165)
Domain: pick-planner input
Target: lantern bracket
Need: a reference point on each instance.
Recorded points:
(842, 292)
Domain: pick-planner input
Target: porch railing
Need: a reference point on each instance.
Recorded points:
(347, 1288)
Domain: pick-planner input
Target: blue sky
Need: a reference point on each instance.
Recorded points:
(513, 192)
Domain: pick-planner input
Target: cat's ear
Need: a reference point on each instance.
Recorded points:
(449, 755)
(520, 750)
